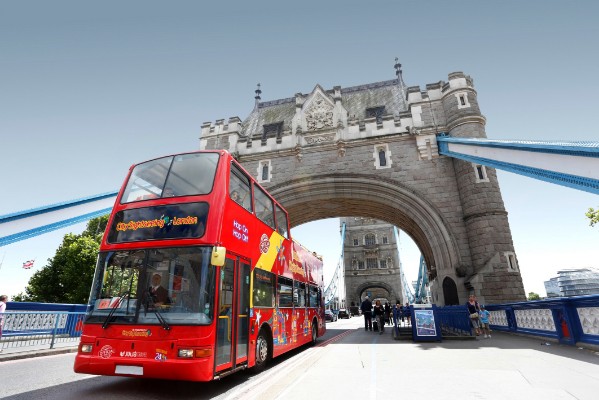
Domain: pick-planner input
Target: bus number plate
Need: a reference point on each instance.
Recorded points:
(129, 370)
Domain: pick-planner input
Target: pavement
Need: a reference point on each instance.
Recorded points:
(19, 353)
(366, 365)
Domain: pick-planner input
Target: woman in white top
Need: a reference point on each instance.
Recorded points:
(3, 299)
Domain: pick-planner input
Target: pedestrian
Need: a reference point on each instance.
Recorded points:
(366, 308)
(387, 313)
(397, 313)
(407, 313)
(473, 309)
(3, 300)
(379, 314)
(484, 321)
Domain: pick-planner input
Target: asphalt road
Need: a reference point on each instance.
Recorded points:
(52, 377)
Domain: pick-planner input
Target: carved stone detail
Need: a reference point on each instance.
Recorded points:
(319, 114)
(319, 139)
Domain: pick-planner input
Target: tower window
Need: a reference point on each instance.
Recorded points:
(382, 156)
(356, 242)
(360, 264)
(385, 240)
(370, 240)
(371, 263)
(480, 173)
(376, 112)
(383, 263)
(264, 171)
(462, 99)
(512, 264)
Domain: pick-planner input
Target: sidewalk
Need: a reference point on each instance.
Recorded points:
(19, 353)
(367, 365)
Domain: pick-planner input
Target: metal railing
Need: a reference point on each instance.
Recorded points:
(569, 320)
(41, 329)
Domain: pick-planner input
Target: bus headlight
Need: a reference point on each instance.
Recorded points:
(197, 353)
(185, 353)
(86, 348)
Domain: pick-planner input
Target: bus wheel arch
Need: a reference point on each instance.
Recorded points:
(263, 348)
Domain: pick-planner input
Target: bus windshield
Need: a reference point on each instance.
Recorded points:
(153, 286)
(180, 175)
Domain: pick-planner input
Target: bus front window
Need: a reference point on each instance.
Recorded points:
(145, 286)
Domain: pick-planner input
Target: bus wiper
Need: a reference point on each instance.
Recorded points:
(116, 305)
(149, 303)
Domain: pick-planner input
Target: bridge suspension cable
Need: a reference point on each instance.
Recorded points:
(333, 287)
(408, 293)
(420, 296)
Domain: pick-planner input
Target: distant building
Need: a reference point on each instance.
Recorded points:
(574, 282)
(552, 288)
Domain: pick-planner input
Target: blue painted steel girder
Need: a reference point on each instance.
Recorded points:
(572, 164)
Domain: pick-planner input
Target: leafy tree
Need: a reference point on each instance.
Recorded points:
(533, 296)
(68, 275)
(593, 216)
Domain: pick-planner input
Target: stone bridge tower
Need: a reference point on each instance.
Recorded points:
(371, 261)
(371, 151)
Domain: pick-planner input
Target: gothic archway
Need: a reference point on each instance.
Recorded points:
(345, 195)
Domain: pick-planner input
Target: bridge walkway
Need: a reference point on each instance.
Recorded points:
(366, 365)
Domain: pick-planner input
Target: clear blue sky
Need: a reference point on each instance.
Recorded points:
(88, 88)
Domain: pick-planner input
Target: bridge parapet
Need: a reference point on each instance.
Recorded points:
(568, 320)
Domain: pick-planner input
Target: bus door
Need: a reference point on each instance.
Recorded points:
(233, 313)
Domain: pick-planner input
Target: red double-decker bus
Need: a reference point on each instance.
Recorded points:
(198, 276)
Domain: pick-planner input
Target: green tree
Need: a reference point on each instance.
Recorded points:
(68, 275)
(593, 216)
(533, 296)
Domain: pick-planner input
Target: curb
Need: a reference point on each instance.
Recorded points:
(36, 353)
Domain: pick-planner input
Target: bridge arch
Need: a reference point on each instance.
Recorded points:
(393, 295)
(345, 195)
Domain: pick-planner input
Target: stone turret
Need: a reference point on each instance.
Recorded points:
(493, 274)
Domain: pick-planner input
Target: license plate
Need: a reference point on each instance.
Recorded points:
(129, 370)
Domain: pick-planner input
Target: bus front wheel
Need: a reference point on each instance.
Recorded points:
(262, 352)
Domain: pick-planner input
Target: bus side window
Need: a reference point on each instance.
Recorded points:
(239, 188)
(264, 207)
(281, 222)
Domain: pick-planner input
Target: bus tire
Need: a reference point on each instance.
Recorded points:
(314, 333)
(262, 351)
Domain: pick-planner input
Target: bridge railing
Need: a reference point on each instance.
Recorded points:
(41, 325)
(569, 320)
(40, 329)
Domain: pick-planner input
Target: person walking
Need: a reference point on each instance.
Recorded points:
(473, 309)
(366, 308)
(3, 300)
(379, 314)
(387, 313)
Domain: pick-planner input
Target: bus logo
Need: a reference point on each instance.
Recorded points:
(264, 244)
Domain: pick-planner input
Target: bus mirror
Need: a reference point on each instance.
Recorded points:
(218, 256)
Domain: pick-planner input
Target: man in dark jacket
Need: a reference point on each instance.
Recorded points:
(366, 308)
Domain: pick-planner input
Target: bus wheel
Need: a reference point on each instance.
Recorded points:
(314, 334)
(262, 353)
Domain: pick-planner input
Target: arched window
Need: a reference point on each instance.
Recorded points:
(382, 158)
(370, 240)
